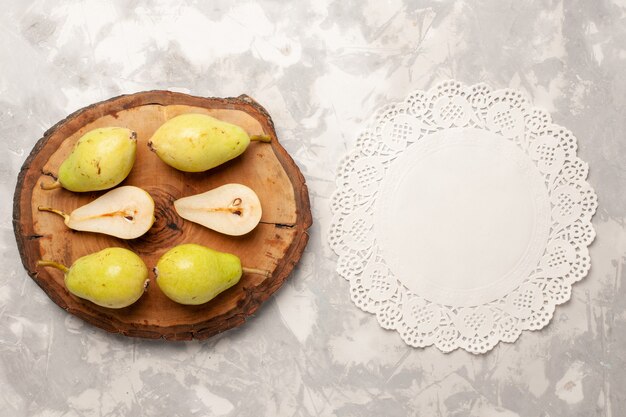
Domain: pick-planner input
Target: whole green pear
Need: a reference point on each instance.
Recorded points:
(194, 274)
(113, 277)
(101, 159)
(197, 142)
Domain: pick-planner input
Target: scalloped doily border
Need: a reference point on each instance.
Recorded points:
(565, 261)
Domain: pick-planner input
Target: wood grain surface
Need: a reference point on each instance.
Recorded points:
(275, 245)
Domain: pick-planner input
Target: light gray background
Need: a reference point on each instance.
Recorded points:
(320, 68)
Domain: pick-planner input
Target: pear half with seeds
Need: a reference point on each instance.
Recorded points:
(232, 209)
(125, 212)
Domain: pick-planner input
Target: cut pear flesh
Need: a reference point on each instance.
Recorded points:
(125, 212)
(232, 209)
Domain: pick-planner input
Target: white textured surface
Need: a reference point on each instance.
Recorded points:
(320, 68)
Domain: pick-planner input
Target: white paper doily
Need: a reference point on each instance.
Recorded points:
(462, 217)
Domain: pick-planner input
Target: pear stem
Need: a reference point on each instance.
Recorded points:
(261, 138)
(51, 186)
(255, 271)
(55, 211)
(53, 264)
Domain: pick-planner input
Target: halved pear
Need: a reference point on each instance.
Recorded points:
(125, 212)
(232, 209)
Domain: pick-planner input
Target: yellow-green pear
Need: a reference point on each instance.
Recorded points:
(113, 277)
(101, 159)
(197, 142)
(194, 274)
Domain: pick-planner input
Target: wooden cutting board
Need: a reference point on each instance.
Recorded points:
(275, 245)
